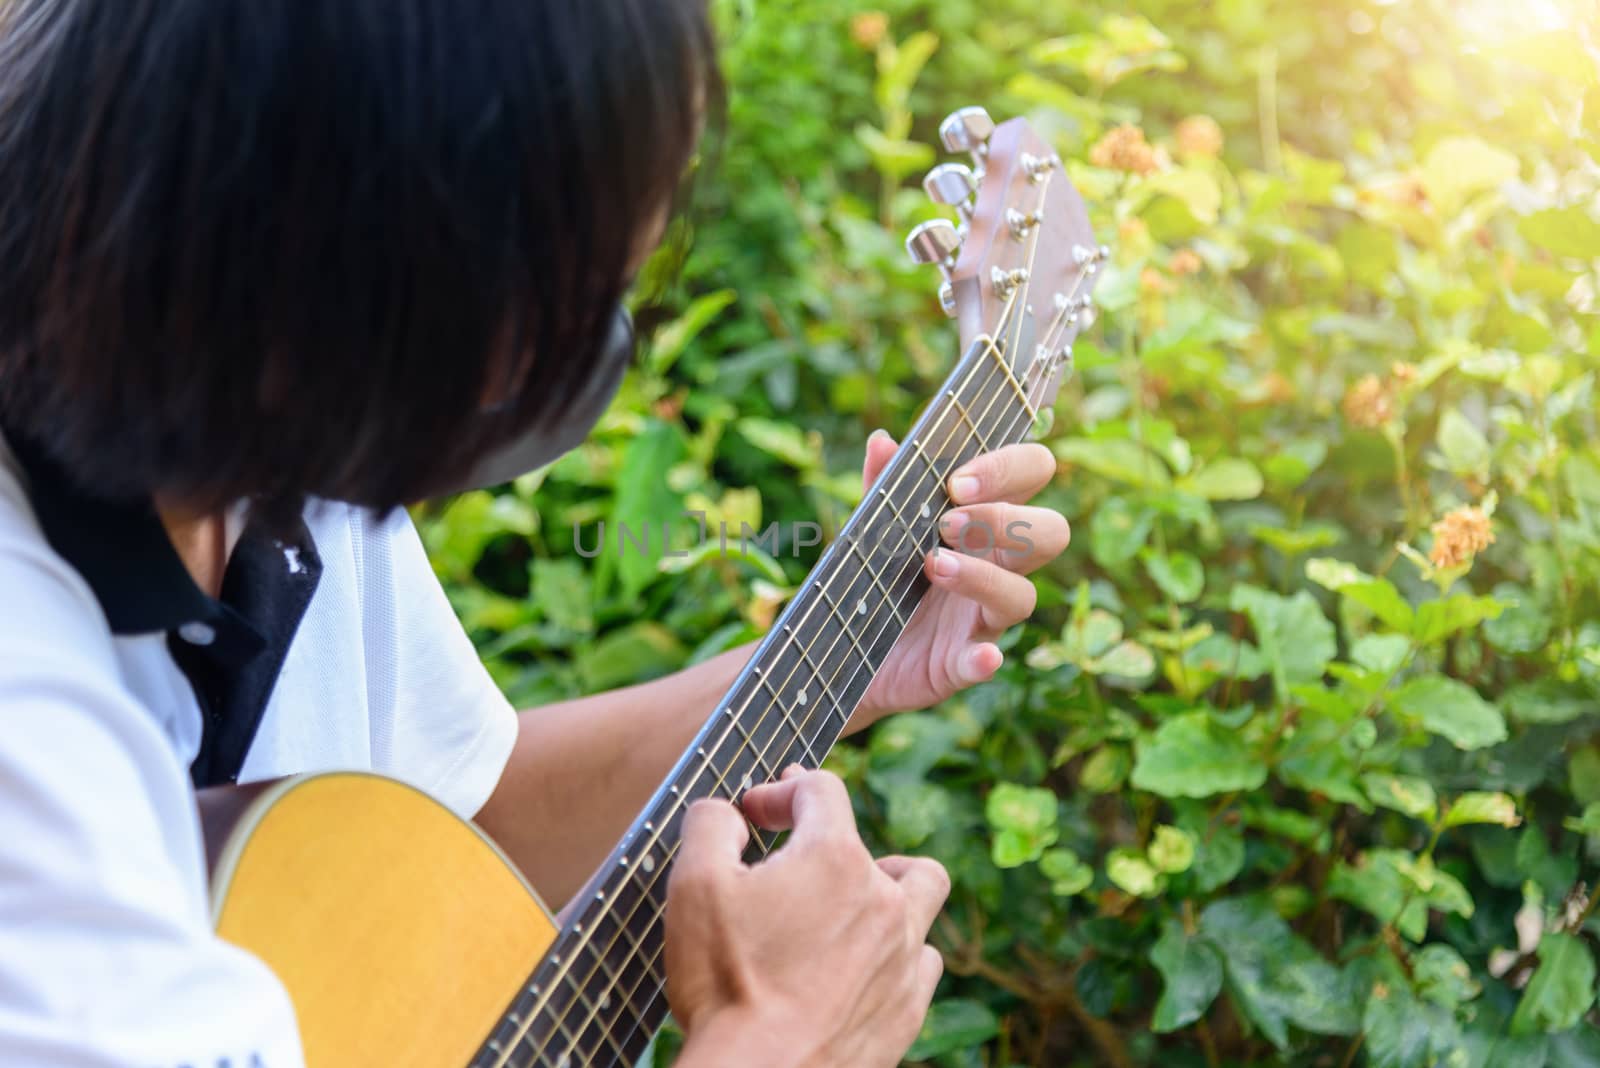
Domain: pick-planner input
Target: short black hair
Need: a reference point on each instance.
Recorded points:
(271, 249)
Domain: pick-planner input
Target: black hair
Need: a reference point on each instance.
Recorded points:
(270, 249)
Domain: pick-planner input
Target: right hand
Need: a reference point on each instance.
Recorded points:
(815, 957)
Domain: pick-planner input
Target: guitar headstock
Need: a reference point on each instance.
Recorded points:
(1020, 262)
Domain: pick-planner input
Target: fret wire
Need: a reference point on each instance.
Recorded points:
(874, 578)
(1000, 359)
(816, 673)
(963, 413)
(777, 701)
(893, 607)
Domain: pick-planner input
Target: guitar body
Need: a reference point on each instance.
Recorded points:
(400, 931)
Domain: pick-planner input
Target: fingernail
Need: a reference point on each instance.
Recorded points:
(791, 771)
(964, 487)
(878, 433)
(945, 564)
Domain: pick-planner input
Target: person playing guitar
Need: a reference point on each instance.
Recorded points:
(269, 272)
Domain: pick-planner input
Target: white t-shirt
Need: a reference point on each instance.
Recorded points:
(107, 956)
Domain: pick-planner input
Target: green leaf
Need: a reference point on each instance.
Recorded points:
(1481, 807)
(1106, 769)
(1404, 793)
(915, 811)
(1294, 635)
(1382, 653)
(1546, 701)
(669, 341)
(1586, 823)
(1118, 530)
(1178, 574)
(1068, 874)
(1465, 449)
(1171, 850)
(1191, 971)
(1443, 977)
(1190, 756)
(1130, 871)
(1459, 167)
(1274, 976)
(1378, 596)
(893, 156)
(953, 1024)
(784, 441)
(1561, 990)
(644, 502)
(561, 592)
(1224, 480)
(1437, 620)
(1117, 459)
(1090, 634)
(1126, 660)
(1024, 821)
(1451, 710)
(1402, 1032)
(633, 653)
(1570, 232)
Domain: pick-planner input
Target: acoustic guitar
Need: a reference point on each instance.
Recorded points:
(402, 933)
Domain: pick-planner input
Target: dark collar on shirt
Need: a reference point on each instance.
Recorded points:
(122, 551)
(231, 647)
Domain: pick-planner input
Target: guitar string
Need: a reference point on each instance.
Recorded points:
(599, 1004)
(1035, 394)
(766, 746)
(640, 1013)
(639, 1017)
(628, 999)
(531, 1013)
(639, 1009)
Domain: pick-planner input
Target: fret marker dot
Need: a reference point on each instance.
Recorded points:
(861, 607)
(565, 1061)
(648, 863)
(605, 1003)
(926, 510)
(801, 697)
(744, 783)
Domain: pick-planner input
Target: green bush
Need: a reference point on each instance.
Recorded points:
(1299, 761)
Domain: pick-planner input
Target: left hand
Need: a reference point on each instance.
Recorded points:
(977, 593)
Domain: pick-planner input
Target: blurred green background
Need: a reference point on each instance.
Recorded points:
(1299, 761)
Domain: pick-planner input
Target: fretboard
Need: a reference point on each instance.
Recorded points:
(598, 996)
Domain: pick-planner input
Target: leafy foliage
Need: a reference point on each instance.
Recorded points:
(1299, 761)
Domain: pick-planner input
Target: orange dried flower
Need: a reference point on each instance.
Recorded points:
(1459, 536)
(1403, 373)
(1124, 148)
(1278, 388)
(869, 28)
(1199, 137)
(1368, 403)
(1184, 261)
(1153, 283)
(1132, 228)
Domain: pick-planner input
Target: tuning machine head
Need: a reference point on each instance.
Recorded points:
(953, 185)
(937, 241)
(967, 130)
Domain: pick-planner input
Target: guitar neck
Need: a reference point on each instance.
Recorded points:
(598, 996)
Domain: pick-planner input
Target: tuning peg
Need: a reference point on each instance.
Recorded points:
(933, 242)
(966, 130)
(951, 184)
